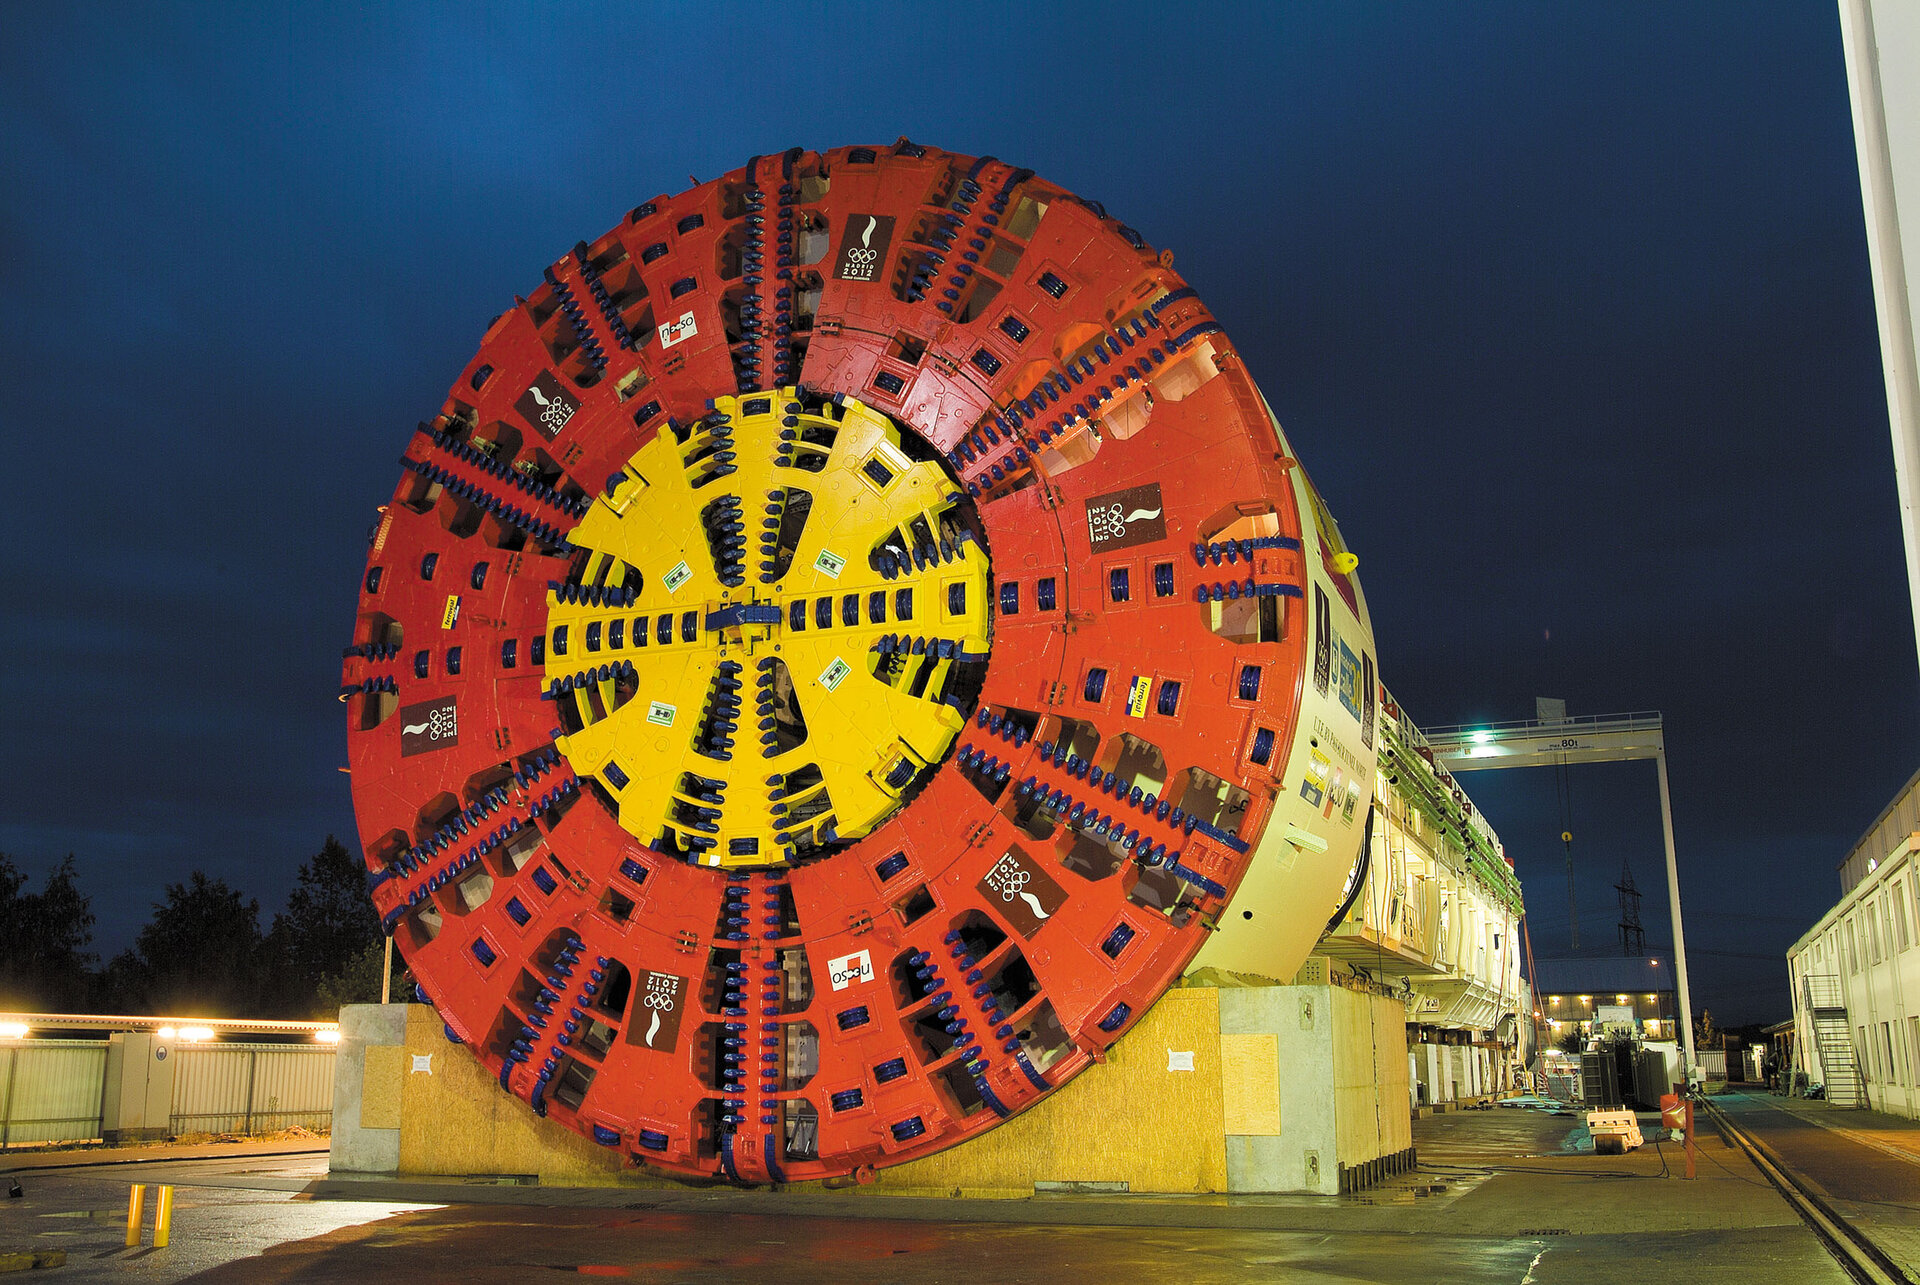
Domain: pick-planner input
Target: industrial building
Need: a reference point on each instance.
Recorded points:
(1439, 920)
(1856, 978)
(1583, 996)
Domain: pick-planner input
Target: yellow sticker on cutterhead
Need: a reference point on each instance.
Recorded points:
(1137, 697)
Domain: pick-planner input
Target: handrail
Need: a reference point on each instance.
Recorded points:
(1403, 740)
(1475, 845)
(1637, 721)
(1831, 993)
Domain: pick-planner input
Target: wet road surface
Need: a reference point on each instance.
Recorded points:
(1501, 1200)
(1866, 1165)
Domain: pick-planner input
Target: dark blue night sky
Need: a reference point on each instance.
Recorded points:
(1566, 307)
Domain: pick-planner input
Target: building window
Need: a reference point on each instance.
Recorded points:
(1886, 1052)
(1900, 912)
(1853, 950)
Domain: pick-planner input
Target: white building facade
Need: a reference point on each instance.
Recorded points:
(1855, 975)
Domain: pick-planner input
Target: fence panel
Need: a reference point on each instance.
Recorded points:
(252, 1088)
(51, 1090)
(293, 1085)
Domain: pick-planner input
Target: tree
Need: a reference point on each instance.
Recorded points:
(200, 955)
(328, 925)
(359, 982)
(45, 964)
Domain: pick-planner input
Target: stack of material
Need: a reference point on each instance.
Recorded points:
(1614, 1132)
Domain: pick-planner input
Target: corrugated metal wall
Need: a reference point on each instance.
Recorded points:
(50, 1090)
(1901, 819)
(251, 1088)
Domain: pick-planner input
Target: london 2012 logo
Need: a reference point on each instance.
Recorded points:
(1122, 519)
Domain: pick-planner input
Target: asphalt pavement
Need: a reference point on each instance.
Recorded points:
(1864, 1164)
(1499, 1196)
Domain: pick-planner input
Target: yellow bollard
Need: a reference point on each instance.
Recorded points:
(163, 1218)
(136, 1205)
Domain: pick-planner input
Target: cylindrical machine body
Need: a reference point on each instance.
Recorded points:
(845, 641)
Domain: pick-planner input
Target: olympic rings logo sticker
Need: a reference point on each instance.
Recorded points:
(1008, 878)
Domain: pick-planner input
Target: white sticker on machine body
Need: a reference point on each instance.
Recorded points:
(673, 332)
(850, 970)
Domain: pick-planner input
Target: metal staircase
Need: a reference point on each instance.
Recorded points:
(1826, 1002)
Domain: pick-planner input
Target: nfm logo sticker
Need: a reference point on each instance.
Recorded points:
(850, 970)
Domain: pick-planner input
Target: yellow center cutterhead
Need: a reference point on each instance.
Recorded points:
(759, 650)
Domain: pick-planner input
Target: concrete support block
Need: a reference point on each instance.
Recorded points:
(1346, 1116)
(1303, 1155)
(366, 1089)
(1239, 1089)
